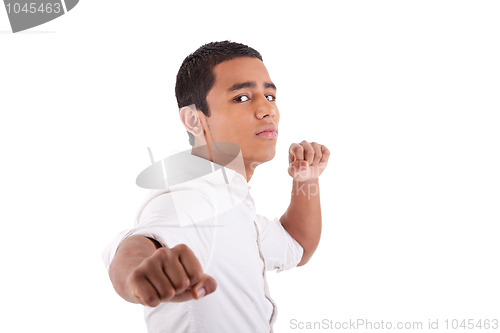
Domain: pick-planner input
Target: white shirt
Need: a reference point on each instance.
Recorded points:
(218, 222)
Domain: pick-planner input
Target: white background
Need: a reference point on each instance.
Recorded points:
(405, 94)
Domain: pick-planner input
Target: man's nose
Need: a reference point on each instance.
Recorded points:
(265, 108)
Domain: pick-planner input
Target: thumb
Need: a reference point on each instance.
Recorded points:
(205, 286)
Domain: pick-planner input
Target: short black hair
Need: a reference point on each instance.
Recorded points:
(195, 77)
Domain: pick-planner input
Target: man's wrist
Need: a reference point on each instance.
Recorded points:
(307, 188)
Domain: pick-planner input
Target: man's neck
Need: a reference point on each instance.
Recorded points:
(231, 160)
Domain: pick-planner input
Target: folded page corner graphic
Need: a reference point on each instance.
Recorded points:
(26, 14)
(184, 166)
(70, 4)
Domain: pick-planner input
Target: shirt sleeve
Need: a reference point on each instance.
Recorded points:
(280, 250)
(171, 219)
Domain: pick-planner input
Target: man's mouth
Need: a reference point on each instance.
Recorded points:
(268, 134)
(269, 131)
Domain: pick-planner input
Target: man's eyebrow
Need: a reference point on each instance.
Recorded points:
(250, 84)
(238, 86)
(269, 85)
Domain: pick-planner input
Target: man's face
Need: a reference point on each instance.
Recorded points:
(242, 105)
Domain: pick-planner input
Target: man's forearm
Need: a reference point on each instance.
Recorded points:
(302, 219)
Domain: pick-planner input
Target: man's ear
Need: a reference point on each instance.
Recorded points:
(190, 120)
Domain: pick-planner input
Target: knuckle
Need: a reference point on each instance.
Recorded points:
(149, 263)
(184, 283)
(177, 285)
(164, 253)
(169, 294)
(181, 248)
(151, 300)
(196, 275)
(136, 276)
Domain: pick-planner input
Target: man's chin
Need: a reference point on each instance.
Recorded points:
(258, 154)
(266, 157)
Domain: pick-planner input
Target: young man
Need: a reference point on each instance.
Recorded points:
(198, 254)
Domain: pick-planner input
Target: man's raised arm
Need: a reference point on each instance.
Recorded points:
(302, 219)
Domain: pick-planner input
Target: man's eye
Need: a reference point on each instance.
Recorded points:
(271, 98)
(242, 98)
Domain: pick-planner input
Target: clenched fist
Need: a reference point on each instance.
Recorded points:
(142, 274)
(307, 160)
